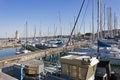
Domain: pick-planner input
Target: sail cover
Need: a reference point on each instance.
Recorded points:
(103, 44)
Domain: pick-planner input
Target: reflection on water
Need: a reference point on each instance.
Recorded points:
(7, 52)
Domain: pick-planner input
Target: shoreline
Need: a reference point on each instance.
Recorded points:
(4, 44)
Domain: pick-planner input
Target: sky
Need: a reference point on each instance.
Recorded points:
(48, 16)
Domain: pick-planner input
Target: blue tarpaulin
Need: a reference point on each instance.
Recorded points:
(103, 44)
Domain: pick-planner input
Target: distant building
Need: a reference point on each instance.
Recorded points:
(17, 35)
(79, 67)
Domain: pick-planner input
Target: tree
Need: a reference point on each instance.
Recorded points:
(88, 34)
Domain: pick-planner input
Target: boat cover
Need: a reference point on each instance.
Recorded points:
(103, 44)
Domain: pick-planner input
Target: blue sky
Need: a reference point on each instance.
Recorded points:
(45, 13)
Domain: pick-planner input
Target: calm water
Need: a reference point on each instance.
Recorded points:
(7, 52)
(12, 51)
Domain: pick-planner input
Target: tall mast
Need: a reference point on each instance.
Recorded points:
(75, 22)
(26, 31)
(111, 23)
(55, 30)
(93, 19)
(75, 29)
(70, 27)
(26, 34)
(90, 31)
(101, 29)
(84, 28)
(98, 19)
(48, 32)
(98, 22)
(115, 25)
(114, 30)
(40, 32)
(60, 25)
(108, 20)
(104, 21)
(34, 32)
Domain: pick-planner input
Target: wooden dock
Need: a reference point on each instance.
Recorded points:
(11, 60)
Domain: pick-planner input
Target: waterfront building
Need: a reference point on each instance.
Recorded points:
(79, 67)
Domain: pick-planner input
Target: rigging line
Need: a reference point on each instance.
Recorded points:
(76, 21)
(83, 18)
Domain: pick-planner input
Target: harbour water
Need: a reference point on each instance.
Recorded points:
(12, 51)
(7, 52)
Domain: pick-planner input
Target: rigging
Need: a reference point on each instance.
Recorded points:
(76, 22)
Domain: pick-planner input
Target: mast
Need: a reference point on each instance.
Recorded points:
(48, 32)
(98, 22)
(84, 28)
(40, 32)
(60, 25)
(114, 30)
(76, 22)
(34, 32)
(93, 20)
(26, 34)
(75, 29)
(111, 22)
(98, 19)
(55, 30)
(108, 20)
(116, 22)
(115, 25)
(101, 29)
(91, 31)
(104, 22)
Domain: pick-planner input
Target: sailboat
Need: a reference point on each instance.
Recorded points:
(54, 43)
(23, 49)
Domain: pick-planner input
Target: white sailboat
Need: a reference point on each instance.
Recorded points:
(23, 49)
